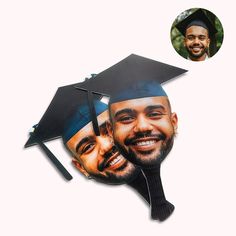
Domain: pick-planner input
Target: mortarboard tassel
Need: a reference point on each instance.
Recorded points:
(55, 161)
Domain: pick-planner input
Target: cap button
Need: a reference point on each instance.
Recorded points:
(33, 129)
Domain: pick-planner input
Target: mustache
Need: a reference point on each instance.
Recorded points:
(196, 45)
(107, 155)
(137, 136)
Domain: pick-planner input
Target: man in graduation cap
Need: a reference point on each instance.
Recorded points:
(198, 31)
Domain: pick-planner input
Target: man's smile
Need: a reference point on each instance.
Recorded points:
(115, 162)
(144, 144)
(196, 49)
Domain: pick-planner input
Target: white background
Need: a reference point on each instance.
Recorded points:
(46, 44)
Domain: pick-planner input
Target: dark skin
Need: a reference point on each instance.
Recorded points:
(197, 42)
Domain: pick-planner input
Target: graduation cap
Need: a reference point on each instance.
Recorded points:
(51, 126)
(198, 18)
(129, 71)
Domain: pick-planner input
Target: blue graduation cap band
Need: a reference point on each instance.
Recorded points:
(139, 90)
(82, 117)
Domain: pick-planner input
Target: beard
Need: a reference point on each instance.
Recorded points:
(125, 174)
(147, 159)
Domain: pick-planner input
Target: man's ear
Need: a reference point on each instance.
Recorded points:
(208, 42)
(80, 167)
(174, 120)
(185, 39)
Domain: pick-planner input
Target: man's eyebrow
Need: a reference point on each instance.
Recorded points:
(153, 107)
(83, 140)
(195, 35)
(124, 111)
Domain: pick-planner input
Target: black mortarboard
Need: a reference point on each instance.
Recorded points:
(63, 105)
(129, 71)
(198, 18)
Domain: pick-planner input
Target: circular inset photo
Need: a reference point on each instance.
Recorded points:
(197, 34)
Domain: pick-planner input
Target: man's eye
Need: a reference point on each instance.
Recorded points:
(190, 37)
(202, 38)
(88, 148)
(155, 114)
(126, 119)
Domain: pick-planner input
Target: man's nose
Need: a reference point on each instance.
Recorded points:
(106, 145)
(196, 40)
(142, 124)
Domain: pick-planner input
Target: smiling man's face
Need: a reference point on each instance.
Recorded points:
(143, 129)
(197, 42)
(98, 157)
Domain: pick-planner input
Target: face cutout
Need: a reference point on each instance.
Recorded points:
(98, 157)
(197, 42)
(144, 129)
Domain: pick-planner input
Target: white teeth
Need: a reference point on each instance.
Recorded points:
(113, 162)
(145, 143)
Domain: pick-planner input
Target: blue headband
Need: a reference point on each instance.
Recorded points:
(81, 118)
(139, 90)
